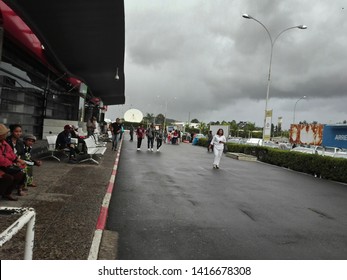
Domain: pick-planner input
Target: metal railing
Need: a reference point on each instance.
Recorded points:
(28, 216)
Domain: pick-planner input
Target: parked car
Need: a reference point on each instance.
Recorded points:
(285, 146)
(254, 141)
(235, 140)
(331, 152)
(271, 144)
(302, 149)
(323, 151)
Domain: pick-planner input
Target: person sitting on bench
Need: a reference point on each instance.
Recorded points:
(11, 175)
(64, 143)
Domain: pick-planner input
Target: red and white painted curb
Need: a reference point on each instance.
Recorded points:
(101, 223)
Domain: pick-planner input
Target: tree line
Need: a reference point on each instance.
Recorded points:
(243, 129)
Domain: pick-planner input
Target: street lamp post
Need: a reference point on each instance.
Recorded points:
(166, 103)
(272, 42)
(303, 97)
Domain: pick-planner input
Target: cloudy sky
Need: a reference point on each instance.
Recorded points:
(205, 61)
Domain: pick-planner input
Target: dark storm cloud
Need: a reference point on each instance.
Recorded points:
(216, 63)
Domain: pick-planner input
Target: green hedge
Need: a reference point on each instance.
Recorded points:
(324, 167)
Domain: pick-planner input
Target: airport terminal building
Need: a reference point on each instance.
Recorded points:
(58, 63)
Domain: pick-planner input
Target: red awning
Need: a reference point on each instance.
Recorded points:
(84, 38)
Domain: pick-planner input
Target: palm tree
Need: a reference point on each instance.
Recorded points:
(160, 119)
(250, 127)
(148, 118)
(202, 127)
(233, 127)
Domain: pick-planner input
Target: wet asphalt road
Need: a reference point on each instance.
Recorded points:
(173, 205)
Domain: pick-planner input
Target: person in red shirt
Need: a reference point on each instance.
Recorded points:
(11, 176)
(140, 132)
(174, 137)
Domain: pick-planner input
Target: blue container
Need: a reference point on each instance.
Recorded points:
(335, 136)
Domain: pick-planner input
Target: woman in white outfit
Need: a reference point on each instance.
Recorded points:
(218, 142)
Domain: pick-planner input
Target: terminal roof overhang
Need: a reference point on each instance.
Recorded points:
(84, 38)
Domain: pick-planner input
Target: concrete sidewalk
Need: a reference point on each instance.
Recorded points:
(67, 202)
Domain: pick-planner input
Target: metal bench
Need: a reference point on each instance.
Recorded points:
(51, 139)
(93, 149)
(98, 141)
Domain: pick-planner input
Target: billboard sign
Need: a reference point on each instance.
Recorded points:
(335, 136)
(306, 134)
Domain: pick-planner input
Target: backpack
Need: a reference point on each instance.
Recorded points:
(150, 133)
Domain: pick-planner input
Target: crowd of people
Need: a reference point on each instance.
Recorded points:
(159, 135)
(155, 134)
(16, 162)
(216, 143)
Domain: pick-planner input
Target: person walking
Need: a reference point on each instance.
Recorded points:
(131, 132)
(159, 135)
(150, 137)
(174, 137)
(209, 139)
(91, 126)
(140, 132)
(116, 129)
(165, 136)
(218, 142)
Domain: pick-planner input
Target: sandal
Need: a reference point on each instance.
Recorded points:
(32, 185)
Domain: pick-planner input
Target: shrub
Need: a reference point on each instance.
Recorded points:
(203, 142)
(324, 167)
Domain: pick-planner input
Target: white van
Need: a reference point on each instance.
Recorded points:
(254, 141)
